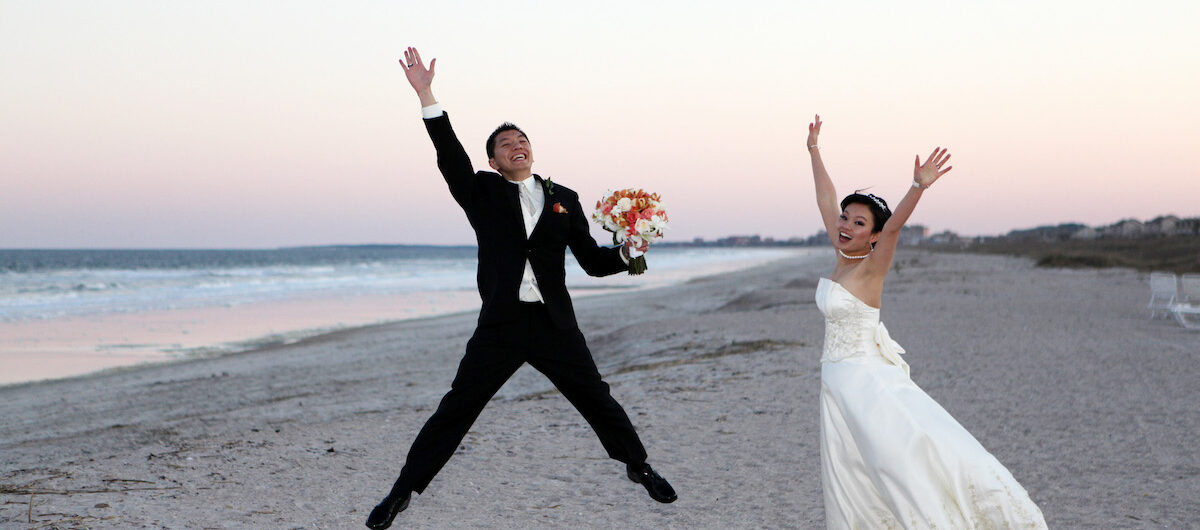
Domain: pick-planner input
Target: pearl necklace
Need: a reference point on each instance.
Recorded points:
(847, 256)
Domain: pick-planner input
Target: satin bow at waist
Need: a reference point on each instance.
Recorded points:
(889, 348)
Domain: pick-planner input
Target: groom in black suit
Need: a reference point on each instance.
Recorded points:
(523, 225)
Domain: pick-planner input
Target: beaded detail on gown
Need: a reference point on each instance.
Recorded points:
(891, 457)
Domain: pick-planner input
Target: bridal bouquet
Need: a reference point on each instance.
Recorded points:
(635, 218)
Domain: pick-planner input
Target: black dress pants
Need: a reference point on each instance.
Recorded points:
(493, 354)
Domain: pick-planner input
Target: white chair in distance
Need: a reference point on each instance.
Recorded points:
(1189, 289)
(1188, 301)
(1164, 293)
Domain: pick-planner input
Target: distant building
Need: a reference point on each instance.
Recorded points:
(1086, 233)
(1188, 227)
(947, 238)
(913, 234)
(1162, 225)
(1060, 232)
(740, 241)
(818, 239)
(1126, 228)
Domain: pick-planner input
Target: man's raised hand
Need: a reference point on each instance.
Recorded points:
(419, 77)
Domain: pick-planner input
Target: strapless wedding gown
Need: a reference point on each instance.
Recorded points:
(891, 457)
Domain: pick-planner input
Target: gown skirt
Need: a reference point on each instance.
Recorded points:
(891, 457)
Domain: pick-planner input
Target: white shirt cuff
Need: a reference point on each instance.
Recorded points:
(432, 111)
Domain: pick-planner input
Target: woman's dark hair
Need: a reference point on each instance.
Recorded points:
(878, 206)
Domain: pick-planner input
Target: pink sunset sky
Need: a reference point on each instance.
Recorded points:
(263, 124)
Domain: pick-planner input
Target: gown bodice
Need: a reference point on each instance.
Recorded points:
(852, 328)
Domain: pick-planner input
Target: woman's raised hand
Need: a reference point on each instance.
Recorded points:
(814, 130)
(419, 77)
(928, 173)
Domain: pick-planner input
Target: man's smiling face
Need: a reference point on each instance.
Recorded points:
(513, 156)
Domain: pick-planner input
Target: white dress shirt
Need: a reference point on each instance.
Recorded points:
(531, 210)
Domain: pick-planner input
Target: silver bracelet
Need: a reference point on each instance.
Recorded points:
(919, 186)
(814, 147)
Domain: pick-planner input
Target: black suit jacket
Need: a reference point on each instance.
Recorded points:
(494, 211)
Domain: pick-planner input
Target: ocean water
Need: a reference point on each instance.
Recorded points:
(48, 284)
(66, 312)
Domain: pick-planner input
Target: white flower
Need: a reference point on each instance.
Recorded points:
(624, 204)
(643, 226)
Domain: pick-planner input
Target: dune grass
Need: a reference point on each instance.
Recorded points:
(1179, 254)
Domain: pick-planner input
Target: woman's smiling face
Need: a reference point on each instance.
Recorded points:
(854, 229)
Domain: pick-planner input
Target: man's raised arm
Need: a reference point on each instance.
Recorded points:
(419, 77)
(452, 159)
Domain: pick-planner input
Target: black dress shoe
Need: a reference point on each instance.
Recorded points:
(382, 515)
(658, 487)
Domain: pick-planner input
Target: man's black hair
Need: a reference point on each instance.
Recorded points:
(491, 141)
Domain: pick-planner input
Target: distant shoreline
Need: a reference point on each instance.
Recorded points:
(1166, 243)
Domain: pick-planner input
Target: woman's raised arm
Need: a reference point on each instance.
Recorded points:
(827, 201)
(924, 175)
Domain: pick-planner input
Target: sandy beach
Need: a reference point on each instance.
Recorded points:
(1059, 373)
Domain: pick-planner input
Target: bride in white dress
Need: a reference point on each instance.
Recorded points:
(891, 457)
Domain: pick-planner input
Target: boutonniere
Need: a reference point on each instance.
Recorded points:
(550, 189)
(558, 208)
